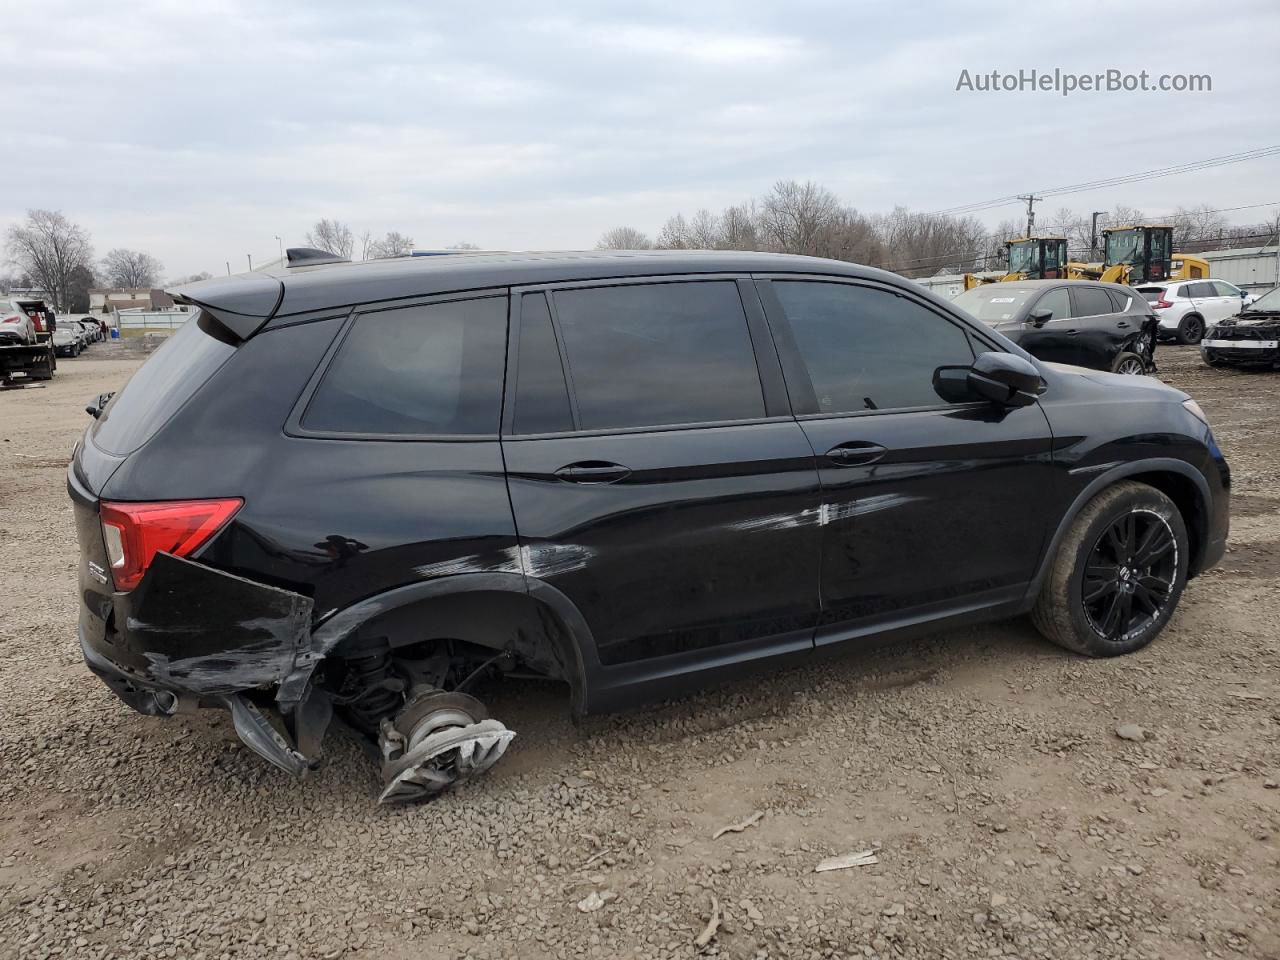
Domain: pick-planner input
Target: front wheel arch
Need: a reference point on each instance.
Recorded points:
(1176, 479)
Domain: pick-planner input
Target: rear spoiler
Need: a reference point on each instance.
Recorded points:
(242, 304)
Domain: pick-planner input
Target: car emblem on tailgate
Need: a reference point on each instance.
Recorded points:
(97, 572)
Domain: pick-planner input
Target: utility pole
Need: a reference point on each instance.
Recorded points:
(250, 256)
(281, 243)
(1093, 232)
(1031, 212)
(228, 268)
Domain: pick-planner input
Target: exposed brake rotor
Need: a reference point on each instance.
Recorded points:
(436, 740)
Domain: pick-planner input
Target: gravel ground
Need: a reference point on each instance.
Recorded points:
(982, 767)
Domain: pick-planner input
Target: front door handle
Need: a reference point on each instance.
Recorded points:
(593, 471)
(856, 453)
(1072, 333)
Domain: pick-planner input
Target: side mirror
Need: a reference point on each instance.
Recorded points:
(1006, 379)
(1038, 318)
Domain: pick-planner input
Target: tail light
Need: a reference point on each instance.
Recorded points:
(1162, 303)
(136, 532)
(14, 319)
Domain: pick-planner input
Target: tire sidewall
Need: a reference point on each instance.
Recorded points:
(1130, 501)
(1191, 320)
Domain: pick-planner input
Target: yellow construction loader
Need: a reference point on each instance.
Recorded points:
(1142, 253)
(1030, 258)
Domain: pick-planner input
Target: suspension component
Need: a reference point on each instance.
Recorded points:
(437, 740)
(377, 692)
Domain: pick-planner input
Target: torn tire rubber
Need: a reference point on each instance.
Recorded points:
(435, 741)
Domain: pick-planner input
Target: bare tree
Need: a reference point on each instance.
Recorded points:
(392, 245)
(624, 238)
(674, 234)
(738, 228)
(366, 245)
(130, 269)
(334, 236)
(794, 215)
(49, 248)
(1200, 224)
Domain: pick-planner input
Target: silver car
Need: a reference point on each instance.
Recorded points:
(15, 325)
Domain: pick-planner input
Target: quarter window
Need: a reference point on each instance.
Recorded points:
(427, 370)
(542, 399)
(656, 354)
(867, 349)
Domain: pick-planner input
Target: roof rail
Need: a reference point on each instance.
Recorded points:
(311, 257)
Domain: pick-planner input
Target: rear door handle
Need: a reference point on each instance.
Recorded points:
(856, 453)
(1072, 333)
(1122, 323)
(593, 471)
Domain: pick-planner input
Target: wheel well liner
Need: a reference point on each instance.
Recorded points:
(496, 610)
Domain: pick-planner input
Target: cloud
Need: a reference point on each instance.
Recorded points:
(203, 131)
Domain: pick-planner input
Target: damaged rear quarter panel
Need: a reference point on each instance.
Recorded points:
(191, 627)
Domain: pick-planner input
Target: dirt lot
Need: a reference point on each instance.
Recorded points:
(982, 766)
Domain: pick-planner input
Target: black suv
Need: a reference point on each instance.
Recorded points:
(1102, 326)
(364, 487)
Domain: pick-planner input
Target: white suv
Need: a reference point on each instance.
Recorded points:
(1186, 308)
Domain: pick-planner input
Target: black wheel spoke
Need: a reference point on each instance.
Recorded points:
(1095, 590)
(1129, 577)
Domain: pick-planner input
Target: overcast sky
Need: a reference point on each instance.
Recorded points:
(200, 131)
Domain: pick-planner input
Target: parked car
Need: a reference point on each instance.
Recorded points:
(67, 340)
(15, 324)
(1103, 326)
(600, 468)
(1252, 336)
(92, 332)
(1187, 307)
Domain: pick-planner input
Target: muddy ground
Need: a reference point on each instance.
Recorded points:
(981, 766)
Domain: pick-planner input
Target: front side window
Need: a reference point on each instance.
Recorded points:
(1225, 289)
(1056, 302)
(868, 349)
(434, 369)
(659, 354)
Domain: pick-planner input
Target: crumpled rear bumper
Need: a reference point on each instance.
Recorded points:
(190, 636)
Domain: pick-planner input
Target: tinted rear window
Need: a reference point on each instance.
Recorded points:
(1151, 293)
(178, 368)
(428, 370)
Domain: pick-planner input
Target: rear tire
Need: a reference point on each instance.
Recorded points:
(1191, 329)
(1117, 575)
(1129, 364)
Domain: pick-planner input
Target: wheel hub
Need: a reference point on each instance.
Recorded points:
(435, 741)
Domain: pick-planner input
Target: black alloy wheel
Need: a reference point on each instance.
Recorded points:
(1130, 575)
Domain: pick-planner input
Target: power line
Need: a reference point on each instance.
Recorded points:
(1189, 167)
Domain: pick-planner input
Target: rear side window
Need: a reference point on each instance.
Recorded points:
(164, 383)
(1090, 302)
(1120, 303)
(425, 370)
(1199, 291)
(658, 354)
(868, 349)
